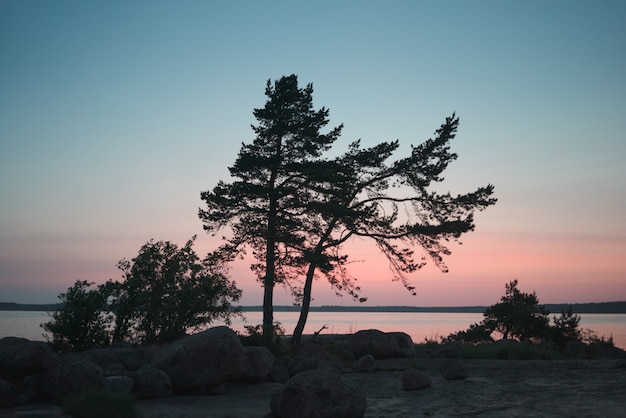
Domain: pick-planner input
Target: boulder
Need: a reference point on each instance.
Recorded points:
(258, 364)
(412, 379)
(367, 363)
(118, 384)
(69, 375)
(405, 342)
(115, 369)
(320, 394)
(20, 357)
(452, 369)
(130, 358)
(205, 359)
(280, 372)
(294, 402)
(314, 350)
(376, 343)
(298, 364)
(149, 382)
(8, 394)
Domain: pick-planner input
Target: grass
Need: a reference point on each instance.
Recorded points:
(512, 351)
(99, 403)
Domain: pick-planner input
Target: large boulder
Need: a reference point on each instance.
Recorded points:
(20, 357)
(258, 364)
(119, 384)
(405, 342)
(130, 358)
(8, 394)
(149, 382)
(376, 343)
(69, 375)
(202, 360)
(320, 394)
(366, 363)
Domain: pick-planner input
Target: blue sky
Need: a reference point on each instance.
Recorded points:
(114, 116)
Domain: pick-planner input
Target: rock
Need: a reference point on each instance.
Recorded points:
(259, 362)
(115, 369)
(405, 342)
(149, 383)
(314, 350)
(20, 357)
(412, 379)
(374, 342)
(367, 363)
(280, 372)
(294, 401)
(118, 384)
(347, 356)
(298, 364)
(69, 375)
(453, 369)
(205, 359)
(320, 394)
(130, 358)
(8, 394)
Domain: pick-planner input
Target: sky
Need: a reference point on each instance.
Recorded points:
(115, 115)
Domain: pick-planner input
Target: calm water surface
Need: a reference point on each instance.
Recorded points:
(419, 325)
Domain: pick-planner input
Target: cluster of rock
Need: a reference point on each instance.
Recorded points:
(313, 384)
(30, 371)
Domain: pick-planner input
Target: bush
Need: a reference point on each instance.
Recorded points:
(166, 292)
(99, 403)
(81, 323)
(254, 337)
(565, 328)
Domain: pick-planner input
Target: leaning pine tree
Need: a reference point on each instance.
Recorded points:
(361, 195)
(296, 209)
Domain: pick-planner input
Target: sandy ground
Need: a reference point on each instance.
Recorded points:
(494, 388)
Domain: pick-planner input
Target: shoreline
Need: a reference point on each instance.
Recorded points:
(617, 307)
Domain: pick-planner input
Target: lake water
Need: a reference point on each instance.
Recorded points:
(419, 325)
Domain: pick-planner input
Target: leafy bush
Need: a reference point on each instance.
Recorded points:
(99, 403)
(82, 322)
(518, 315)
(166, 292)
(254, 337)
(475, 334)
(566, 328)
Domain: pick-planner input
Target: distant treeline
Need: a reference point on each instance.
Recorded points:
(602, 307)
(579, 308)
(12, 306)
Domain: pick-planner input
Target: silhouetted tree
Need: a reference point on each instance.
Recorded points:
(167, 291)
(566, 328)
(296, 209)
(361, 195)
(82, 320)
(266, 206)
(518, 315)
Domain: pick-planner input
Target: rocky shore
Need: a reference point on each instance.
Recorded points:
(370, 373)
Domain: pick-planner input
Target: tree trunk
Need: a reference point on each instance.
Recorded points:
(270, 271)
(306, 304)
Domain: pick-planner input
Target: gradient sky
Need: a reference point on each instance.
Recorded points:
(115, 115)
